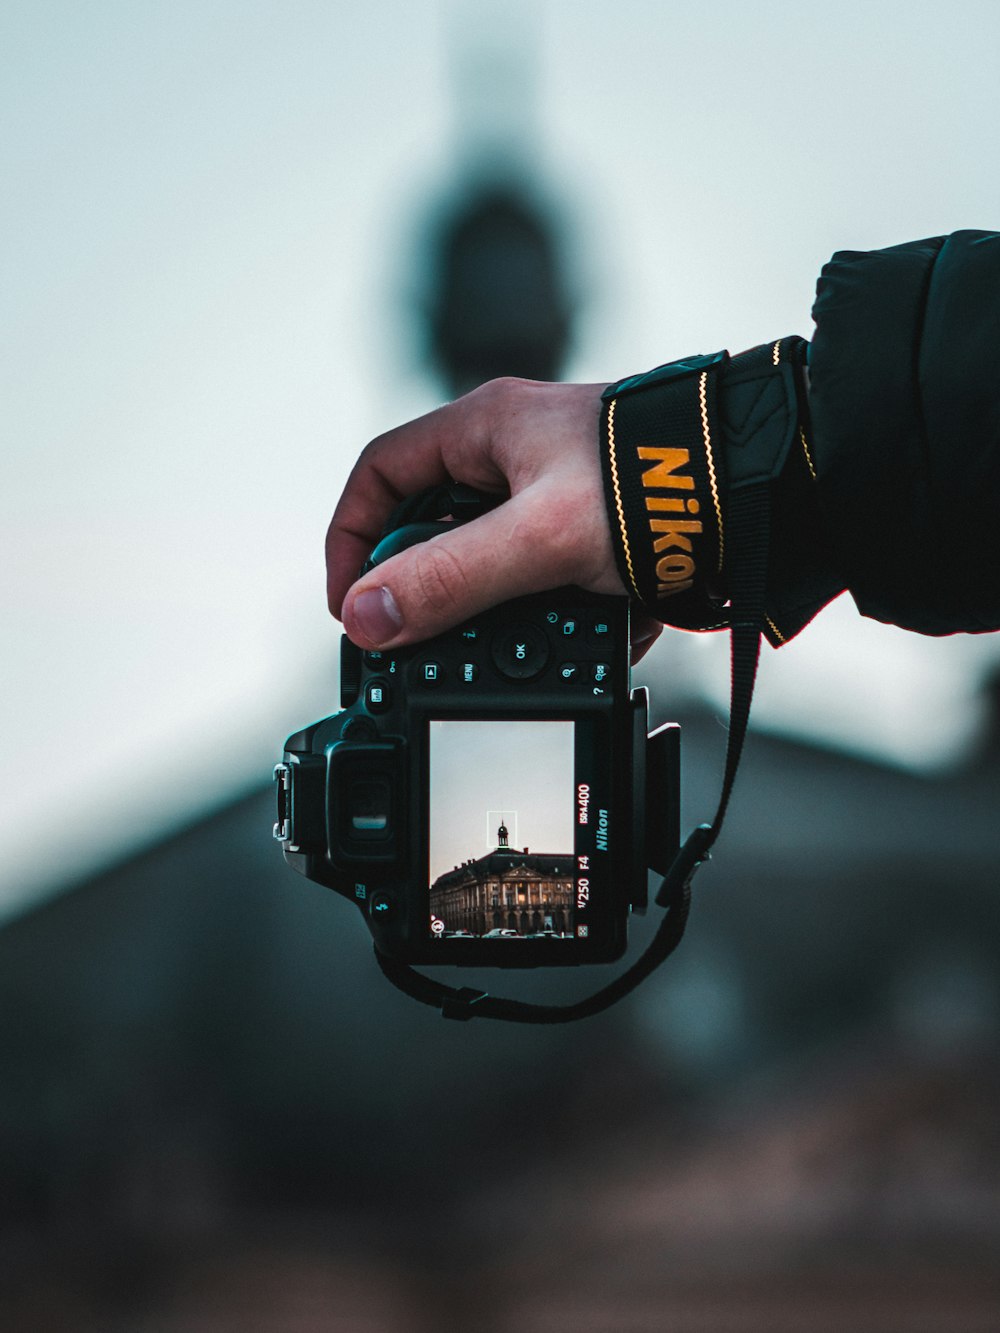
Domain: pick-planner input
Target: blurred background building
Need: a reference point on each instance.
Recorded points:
(239, 243)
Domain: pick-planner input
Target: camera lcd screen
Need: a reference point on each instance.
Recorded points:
(503, 861)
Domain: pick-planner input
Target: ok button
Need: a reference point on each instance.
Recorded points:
(520, 652)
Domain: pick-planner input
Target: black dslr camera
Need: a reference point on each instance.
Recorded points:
(489, 797)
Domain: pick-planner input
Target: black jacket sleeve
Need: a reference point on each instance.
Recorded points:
(904, 402)
(884, 477)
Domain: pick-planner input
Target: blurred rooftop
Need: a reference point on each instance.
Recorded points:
(210, 1100)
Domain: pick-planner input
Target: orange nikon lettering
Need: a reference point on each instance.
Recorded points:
(673, 568)
(672, 527)
(671, 504)
(662, 476)
(675, 572)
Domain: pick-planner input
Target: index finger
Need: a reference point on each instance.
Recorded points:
(448, 444)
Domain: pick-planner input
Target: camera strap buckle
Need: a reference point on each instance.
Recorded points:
(454, 1003)
(459, 1003)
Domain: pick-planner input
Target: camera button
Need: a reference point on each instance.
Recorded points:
(468, 672)
(569, 628)
(569, 672)
(429, 673)
(350, 671)
(380, 906)
(381, 662)
(600, 672)
(378, 696)
(600, 631)
(520, 652)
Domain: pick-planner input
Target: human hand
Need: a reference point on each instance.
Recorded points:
(534, 442)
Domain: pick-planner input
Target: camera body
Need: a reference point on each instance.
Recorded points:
(488, 797)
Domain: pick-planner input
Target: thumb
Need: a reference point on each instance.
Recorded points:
(436, 584)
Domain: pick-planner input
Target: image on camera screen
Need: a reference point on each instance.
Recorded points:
(501, 830)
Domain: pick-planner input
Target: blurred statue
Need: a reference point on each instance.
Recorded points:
(498, 303)
(495, 299)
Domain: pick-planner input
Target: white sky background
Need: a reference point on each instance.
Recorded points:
(478, 769)
(208, 210)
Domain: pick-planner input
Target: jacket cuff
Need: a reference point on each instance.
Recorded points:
(907, 423)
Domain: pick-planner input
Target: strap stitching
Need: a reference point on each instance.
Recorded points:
(618, 496)
(713, 480)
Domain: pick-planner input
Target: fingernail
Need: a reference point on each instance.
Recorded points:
(376, 615)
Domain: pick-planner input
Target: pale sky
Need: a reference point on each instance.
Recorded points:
(478, 770)
(209, 213)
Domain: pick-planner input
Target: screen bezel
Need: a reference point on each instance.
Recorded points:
(603, 913)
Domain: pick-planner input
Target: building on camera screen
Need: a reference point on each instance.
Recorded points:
(501, 829)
